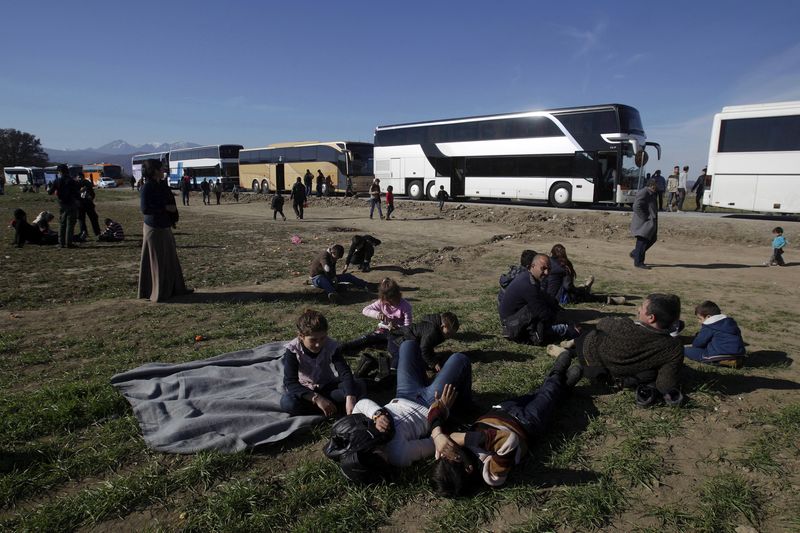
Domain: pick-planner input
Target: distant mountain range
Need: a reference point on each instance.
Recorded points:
(118, 152)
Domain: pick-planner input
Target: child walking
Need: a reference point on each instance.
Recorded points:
(778, 244)
(277, 206)
(389, 202)
(442, 196)
(719, 341)
(310, 386)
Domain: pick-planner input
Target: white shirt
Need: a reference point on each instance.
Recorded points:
(682, 177)
(411, 441)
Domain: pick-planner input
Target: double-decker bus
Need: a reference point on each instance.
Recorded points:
(96, 171)
(24, 176)
(277, 166)
(136, 162)
(581, 154)
(212, 163)
(754, 158)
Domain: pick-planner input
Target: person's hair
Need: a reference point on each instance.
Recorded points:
(451, 320)
(665, 307)
(686, 167)
(451, 479)
(389, 290)
(389, 188)
(311, 321)
(707, 308)
(527, 258)
(299, 179)
(651, 182)
(537, 256)
(19, 214)
(658, 173)
(441, 186)
(337, 250)
(63, 170)
(777, 229)
(559, 253)
(151, 169)
(107, 221)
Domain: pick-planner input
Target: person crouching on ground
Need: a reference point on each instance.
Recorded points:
(719, 341)
(498, 440)
(528, 313)
(323, 272)
(640, 352)
(362, 248)
(310, 386)
(113, 232)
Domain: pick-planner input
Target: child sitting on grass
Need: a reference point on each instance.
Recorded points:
(719, 341)
(310, 386)
(429, 332)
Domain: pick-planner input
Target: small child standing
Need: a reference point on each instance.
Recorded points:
(442, 196)
(310, 386)
(389, 202)
(719, 341)
(277, 206)
(778, 244)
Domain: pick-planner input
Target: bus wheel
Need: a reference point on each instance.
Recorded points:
(256, 188)
(265, 186)
(431, 193)
(415, 190)
(561, 194)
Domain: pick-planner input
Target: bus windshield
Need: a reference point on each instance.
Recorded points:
(631, 174)
(361, 159)
(112, 171)
(630, 121)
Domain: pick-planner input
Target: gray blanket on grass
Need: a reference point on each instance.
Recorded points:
(227, 403)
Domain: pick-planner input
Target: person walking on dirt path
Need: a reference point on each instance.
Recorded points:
(309, 181)
(298, 196)
(683, 177)
(644, 224)
(277, 206)
(320, 183)
(217, 188)
(442, 196)
(375, 198)
(661, 187)
(206, 189)
(186, 186)
(699, 188)
(133, 183)
(389, 202)
(672, 189)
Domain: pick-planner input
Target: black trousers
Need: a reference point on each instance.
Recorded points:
(87, 209)
(298, 208)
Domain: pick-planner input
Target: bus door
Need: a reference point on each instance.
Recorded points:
(280, 181)
(587, 167)
(605, 182)
(457, 173)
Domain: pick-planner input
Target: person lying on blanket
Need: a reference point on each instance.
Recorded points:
(310, 386)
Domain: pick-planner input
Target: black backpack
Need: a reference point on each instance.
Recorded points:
(353, 441)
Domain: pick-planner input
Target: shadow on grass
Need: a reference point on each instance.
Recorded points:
(402, 270)
(767, 358)
(311, 297)
(491, 356)
(709, 266)
(732, 384)
(474, 336)
(585, 315)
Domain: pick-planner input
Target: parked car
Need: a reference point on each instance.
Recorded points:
(107, 183)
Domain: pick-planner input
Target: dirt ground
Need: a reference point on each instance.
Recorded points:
(467, 246)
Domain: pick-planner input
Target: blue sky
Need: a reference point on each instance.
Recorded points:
(80, 74)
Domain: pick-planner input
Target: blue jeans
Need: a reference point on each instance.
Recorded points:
(535, 409)
(325, 284)
(457, 371)
(372, 203)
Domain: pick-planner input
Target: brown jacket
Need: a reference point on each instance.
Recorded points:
(324, 265)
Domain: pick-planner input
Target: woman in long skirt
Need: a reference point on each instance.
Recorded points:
(160, 273)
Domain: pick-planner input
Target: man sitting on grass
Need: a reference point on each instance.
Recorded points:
(323, 272)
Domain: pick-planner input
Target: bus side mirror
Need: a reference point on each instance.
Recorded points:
(641, 158)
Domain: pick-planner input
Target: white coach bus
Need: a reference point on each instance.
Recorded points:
(754, 158)
(212, 163)
(24, 176)
(137, 160)
(583, 154)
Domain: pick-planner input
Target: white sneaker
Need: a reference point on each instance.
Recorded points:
(554, 350)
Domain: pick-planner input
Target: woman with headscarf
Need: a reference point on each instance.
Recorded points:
(160, 273)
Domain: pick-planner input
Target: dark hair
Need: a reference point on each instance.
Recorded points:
(451, 478)
(686, 167)
(390, 188)
(337, 250)
(665, 307)
(150, 169)
(777, 229)
(63, 170)
(311, 321)
(559, 253)
(107, 221)
(19, 214)
(707, 308)
(388, 289)
(451, 320)
(527, 258)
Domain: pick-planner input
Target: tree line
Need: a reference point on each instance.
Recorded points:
(19, 148)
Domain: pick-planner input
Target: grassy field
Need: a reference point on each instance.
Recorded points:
(72, 458)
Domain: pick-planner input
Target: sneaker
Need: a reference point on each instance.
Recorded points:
(568, 344)
(616, 300)
(676, 328)
(588, 283)
(562, 364)
(737, 362)
(642, 266)
(573, 376)
(332, 297)
(554, 350)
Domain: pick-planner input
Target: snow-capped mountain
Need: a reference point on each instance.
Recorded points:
(118, 152)
(122, 147)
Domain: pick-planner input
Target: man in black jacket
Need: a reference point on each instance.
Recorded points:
(362, 248)
(527, 312)
(524, 265)
(87, 208)
(298, 196)
(68, 192)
